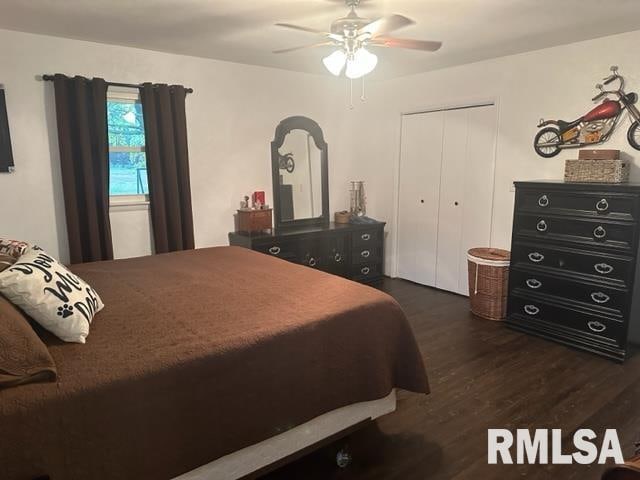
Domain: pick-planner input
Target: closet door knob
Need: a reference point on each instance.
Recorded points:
(599, 232)
(603, 268)
(421, 201)
(543, 201)
(602, 205)
(542, 226)
(455, 203)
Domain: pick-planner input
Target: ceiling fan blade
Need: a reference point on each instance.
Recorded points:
(309, 30)
(391, 42)
(293, 49)
(385, 24)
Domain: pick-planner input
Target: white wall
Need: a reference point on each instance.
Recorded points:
(231, 117)
(552, 83)
(235, 108)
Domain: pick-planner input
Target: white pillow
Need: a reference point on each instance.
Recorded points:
(54, 297)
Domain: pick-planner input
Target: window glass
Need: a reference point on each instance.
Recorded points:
(127, 158)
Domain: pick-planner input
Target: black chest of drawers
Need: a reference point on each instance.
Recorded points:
(574, 255)
(354, 251)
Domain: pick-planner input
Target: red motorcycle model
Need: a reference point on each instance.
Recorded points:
(594, 127)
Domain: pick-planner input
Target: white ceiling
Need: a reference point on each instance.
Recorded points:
(243, 31)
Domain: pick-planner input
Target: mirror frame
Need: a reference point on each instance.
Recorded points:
(283, 128)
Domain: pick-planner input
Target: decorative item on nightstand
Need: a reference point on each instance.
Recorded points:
(358, 199)
(597, 166)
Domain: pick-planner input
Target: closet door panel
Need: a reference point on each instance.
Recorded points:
(478, 181)
(454, 151)
(418, 200)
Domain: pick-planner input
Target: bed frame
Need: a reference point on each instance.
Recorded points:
(268, 455)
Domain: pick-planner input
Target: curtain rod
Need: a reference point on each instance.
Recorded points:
(49, 78)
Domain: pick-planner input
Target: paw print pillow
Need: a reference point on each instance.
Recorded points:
(54, 297)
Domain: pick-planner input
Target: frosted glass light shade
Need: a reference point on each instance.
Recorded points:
(335, 62)
(362, 63)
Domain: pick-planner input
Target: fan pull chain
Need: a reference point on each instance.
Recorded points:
(363, 96)
(350, 94)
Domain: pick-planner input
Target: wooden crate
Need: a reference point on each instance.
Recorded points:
(598, 154)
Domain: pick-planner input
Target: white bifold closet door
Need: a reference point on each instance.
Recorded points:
(445, 193)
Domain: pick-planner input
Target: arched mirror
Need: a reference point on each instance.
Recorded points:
(299, 171)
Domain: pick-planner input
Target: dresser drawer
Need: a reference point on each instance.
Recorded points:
(615, 206)
(590, 232)
(286, 250)
(564, 317)
(368, 237)
(610, 300)
(366, 253)
(593, 265)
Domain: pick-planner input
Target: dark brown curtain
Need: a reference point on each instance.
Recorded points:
(165, 126)
(81, 111)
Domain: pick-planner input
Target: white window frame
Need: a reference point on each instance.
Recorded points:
(126, 95)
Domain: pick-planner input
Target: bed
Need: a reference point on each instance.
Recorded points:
(197, 359)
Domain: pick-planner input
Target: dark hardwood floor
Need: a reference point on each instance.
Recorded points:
(482, 376)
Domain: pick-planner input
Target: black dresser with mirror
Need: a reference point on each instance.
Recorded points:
(574, 256)
(302, 231)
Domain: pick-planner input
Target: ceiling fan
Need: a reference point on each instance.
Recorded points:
(352, 34)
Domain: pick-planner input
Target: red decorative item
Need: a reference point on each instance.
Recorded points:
(258, 197)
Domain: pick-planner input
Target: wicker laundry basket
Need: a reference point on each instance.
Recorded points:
(488, 282)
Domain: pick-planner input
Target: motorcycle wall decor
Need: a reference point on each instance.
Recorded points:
(594, 127)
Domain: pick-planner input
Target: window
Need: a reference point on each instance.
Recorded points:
(127, 158)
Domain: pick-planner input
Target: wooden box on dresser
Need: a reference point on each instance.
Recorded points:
(354, 251)
(574, 255)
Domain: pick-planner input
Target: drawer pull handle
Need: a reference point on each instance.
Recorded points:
(596, 326)
(603, 268)
(542, 226)
(365, 236)
(338, 257)
(602, 205)
(600, 297)
(599, 232)
(365, 270)
(531, 309)
(534, 283)
(365, 253)
(543, 201)
(536, 257)
(274, 250)
(312, 262)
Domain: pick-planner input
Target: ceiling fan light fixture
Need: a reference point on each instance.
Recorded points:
(362, 63)
(335, 62)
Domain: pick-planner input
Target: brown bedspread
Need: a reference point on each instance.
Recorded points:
(198, 354)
